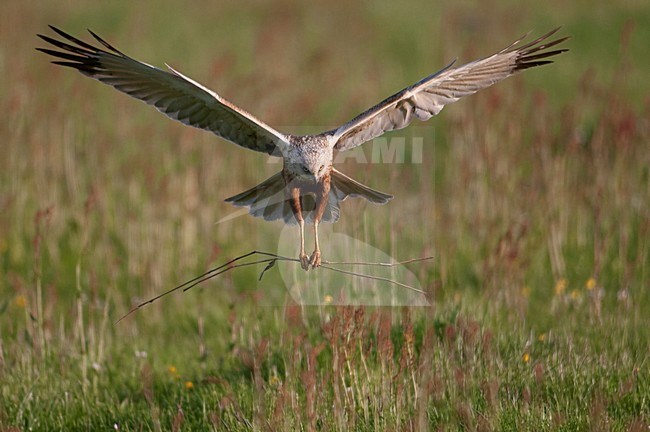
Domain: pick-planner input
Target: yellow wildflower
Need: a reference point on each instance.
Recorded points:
(560, 286)
(328, 299)
(189, 385)
(590, 284)
(525, 358)
(274, 381)
(20, 301)
(542, 337)
(173, 371)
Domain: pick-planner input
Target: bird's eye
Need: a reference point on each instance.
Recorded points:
(320, 170)
(306, 170)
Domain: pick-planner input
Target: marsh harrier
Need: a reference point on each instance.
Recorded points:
(309, 188)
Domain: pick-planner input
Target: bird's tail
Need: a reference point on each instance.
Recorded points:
(268, 199)
(343, 186)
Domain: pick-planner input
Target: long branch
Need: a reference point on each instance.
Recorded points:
(271, 259)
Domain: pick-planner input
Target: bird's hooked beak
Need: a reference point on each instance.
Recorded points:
(316, 174)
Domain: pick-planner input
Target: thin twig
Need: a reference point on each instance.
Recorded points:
(271, 261)
(379, 278)
(380, 264)
(202, 278)
(222, 271)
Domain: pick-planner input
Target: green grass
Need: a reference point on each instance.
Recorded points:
(532, 196)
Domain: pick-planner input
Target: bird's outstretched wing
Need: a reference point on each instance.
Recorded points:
(428, 96)
(172, 93)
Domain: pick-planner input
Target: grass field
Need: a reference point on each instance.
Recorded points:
(533, 197)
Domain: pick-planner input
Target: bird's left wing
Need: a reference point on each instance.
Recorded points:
(427, 97)
(173, 94)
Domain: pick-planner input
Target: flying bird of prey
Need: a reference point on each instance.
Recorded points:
(309, 188)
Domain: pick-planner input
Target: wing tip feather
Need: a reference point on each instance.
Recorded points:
(531, 54)
(103, 42)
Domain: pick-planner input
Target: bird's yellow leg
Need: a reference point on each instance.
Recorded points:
(314, 260)
(304, 259)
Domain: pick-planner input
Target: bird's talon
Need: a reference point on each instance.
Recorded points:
(304, 261)
(314, 261)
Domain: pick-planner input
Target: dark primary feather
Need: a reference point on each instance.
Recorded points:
(173, 94)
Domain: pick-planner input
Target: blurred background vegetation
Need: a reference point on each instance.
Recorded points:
(533, 197)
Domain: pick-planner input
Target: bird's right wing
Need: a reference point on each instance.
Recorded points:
(173, 94)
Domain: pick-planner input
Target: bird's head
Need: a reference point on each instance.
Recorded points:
(310, 160)
(314, 171)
